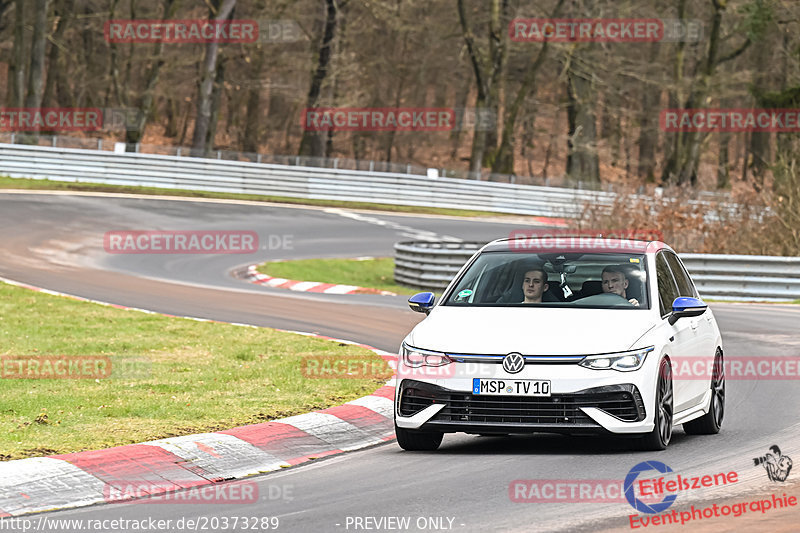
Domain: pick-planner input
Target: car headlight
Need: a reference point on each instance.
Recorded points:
(622, 361)
(415, 357)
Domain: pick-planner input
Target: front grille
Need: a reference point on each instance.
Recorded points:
(621, 401)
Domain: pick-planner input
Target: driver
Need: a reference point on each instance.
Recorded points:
(615, 281)
(534, 284)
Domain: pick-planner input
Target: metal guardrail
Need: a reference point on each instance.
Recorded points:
(431, 266)
(745, 277)
(336, 163)
(149, 170)
(202, 174)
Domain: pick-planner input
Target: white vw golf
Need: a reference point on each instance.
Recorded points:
(573, 335)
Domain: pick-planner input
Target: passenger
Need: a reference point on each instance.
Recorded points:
(615, 281)
(534, 284)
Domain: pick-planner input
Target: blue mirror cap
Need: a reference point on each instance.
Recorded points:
(686, 303)
(422, 299)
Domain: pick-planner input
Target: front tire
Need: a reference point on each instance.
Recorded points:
(711, 422)
(659, 438)
(418, 441)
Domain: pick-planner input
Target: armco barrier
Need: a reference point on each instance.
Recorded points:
(150, 170)
(745, 277)
(431, 266)
(295, 181)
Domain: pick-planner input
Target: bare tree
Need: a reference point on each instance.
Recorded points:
(200, 140)
(489, 69)
(311, 143)
(16, 70)
(134, 133)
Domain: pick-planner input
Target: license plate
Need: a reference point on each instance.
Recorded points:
(511, 387)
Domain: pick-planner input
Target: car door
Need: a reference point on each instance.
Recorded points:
(702, 326)
(682, 336)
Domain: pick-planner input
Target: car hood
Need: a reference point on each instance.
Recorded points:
(530, 331)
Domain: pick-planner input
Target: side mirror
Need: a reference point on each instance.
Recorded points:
(422, 302)
(685, 306)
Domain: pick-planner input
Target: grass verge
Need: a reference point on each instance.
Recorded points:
(170, 376)
(375, 273)
(33, 184)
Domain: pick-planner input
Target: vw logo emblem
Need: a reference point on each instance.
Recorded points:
(513, 362)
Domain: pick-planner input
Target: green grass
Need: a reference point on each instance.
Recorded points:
(369, 273)
(27, 183)
(186, 377)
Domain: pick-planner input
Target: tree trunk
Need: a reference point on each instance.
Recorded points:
(209, 72)
(498, 57)
(36, 72)
(583, 163)
(648, 126)
(682, 164)
(462, 95)
(16, 71)
(171, 129)
(216, 102)
(723, 162)
(482, 98)
(133, 135)
(311, 144)
(56, 69)
(504, 161)
(253, 116)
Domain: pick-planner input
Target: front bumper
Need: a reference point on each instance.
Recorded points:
(617, 408)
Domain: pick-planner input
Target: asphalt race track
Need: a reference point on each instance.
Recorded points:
(55, 241)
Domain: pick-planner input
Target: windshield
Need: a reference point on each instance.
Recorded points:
(509, 279)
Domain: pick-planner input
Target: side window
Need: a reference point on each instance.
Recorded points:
(685, 286)
(667, 289)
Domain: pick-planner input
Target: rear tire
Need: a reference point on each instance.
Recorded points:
(659, 438)
(418, 441)
(711, 422)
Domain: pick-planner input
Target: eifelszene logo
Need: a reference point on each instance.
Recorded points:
(630, 494)
(777, 466)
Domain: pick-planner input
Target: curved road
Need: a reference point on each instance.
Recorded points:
(56, 241)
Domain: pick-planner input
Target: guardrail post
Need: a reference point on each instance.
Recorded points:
(219, 154)
(335, 163)
(408, 169)
(258, 158)
(372, 166)
(54, 142)
(297, 160)
(99, 144)
(178, 152)
(13, 136)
